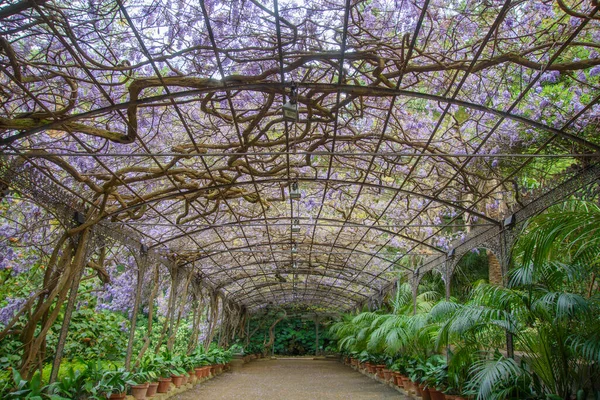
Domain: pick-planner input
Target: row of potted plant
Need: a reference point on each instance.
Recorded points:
(154, 374)
(428, 378)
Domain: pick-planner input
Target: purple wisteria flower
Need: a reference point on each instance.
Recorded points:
(550, 76)
(10, 309)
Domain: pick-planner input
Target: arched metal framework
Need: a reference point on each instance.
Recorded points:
(401, 146)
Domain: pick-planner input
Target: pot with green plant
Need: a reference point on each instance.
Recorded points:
(114, 383)
(148, 371)
(435, 376)
(143, 377)
(163, 370)
(416, 370)
(140, 390)
(200, 362)
(399, 368)
(174, 366)
(188, 364)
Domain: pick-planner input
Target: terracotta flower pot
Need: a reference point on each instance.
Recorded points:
(398, 379)
(164, 385)
(198, 372)
(139, 391)
(206, 371)
(408, 384)
(387, 374)
(151, 391)
(436, 394)
(177, 380)
(418, 389)
(425, 392)
(117, 396)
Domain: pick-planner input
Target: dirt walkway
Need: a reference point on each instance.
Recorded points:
(291, 379)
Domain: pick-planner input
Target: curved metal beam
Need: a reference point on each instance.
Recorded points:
(289, 270)
(305, 287)
(253, 220)
(331, 303)
(298, 271)
(281, 298)
(314, 295)
(276, 87)
(279, 180)
(254, 245)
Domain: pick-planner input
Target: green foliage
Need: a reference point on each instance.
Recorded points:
(112, 381)
(73, 385)
(472, 269)
(550, 308)
(28, 389)
(293, 336)
(96, 334)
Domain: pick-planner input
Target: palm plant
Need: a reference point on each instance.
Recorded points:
(350, 331)
(558, 260)
(405, 330)
(551, 314)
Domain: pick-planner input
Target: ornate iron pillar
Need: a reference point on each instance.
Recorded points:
(414, 284)
(506, 239)
(316, 335)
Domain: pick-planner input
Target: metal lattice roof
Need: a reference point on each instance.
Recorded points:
(417, 121)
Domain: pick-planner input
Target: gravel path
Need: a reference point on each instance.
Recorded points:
(291, 379)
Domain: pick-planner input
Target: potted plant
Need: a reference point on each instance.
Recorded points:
(113, 383)
(201, 362)
(174, 365)
(163, 371)
(416, 370)
(188, 364)
(143, 377)
(435, 377)
(150, 371)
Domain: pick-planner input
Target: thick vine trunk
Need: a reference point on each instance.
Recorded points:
(61, 281)
(147, 338)
(170, 312)
(269, 344)
(214, 314)
(64, 330)
(175, 326)
(141, 262)
(198, 311)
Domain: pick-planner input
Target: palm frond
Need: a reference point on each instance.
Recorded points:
(490, 376)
